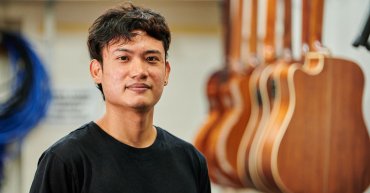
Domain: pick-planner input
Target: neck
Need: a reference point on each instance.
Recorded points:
(130, 127)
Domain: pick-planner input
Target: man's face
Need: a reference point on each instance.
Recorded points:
(133, 73)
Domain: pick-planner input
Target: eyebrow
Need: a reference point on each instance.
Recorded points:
(146, 52)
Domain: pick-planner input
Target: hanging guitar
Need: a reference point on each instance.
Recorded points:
(323, 145)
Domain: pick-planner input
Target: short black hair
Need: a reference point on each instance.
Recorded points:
(118, 23)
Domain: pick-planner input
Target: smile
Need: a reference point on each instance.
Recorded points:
(138, 87)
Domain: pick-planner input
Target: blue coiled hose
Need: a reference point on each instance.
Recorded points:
(30, 93)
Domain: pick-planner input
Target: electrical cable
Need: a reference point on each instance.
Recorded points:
(30, 93)
(21, 85)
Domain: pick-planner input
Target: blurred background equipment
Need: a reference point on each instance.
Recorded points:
(363, 38)
(25, 93)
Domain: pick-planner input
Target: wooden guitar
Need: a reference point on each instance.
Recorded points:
(264, 87)
(232, 96)
(323, 144)
(249, 130)
(220, 100)
(232, 132)
(273, 87)
(216, 108)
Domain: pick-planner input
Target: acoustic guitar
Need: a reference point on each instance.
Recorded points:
(273, 88)
(249, 130)
(323, 145)
(265, 92)
(231, 97)
(232, 131)
(217, 102)
(216, 106)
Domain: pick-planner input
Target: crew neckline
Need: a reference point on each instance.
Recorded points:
(124, 145)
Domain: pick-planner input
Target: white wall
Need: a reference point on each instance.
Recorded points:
(195, 52)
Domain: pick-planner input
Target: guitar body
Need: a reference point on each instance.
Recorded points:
(254, 119)
(323, 147)
(216, 108)
(279, 106)
(234, 126)
(230, 97)
(269, 86)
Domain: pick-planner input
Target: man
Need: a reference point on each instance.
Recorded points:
(122, 152)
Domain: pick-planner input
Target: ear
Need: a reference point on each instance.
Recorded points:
(167, 72)
(96, 70)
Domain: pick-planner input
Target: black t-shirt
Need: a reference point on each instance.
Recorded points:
(88, 160)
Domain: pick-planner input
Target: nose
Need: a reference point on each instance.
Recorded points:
(138, 69)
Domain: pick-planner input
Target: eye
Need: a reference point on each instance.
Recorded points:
(123, 58)
(152, 59)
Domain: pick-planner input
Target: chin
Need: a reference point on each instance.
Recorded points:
(141, 105)
(142, 108)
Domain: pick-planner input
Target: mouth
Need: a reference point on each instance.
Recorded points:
(138, 87)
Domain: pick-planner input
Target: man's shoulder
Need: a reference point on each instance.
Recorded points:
(172, 139)
(177, 143)
(72, 143)
(74, 136)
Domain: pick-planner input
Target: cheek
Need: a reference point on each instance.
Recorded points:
(159, 79)
(113, 80)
